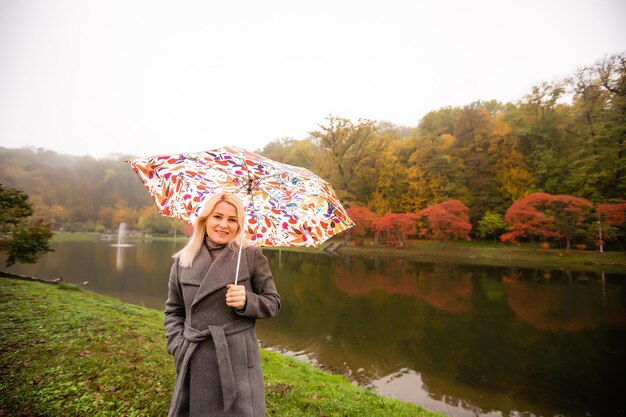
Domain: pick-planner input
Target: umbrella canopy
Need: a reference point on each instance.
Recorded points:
(285, 205)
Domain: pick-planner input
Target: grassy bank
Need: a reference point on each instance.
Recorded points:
(65, 351)
(480, 253)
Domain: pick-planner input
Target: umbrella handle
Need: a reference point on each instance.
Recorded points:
(241, 242)
(238, 260)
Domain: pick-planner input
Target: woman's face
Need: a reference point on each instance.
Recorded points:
(221, 225)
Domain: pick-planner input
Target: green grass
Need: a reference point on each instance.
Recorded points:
(68, 352)
(488, 253)
(73, 236)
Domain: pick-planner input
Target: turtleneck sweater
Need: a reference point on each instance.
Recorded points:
(214, 248)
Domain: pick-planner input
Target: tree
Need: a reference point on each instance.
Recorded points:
(527, 218)
(153, 223)
(446, 221)
(540, 128)
(399, 225)
(599, 107)
(491, 224)
(612, 221)
(547, 216)
(363, 219)
(21, 239)
(291, 151)
(346, 149)
(391, 180)
(569, 215)
(434, 174)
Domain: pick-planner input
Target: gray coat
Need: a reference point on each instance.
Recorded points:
(215, 347)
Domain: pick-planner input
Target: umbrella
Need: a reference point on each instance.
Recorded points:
(285, 205)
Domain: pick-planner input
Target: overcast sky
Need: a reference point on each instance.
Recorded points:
(152, 77)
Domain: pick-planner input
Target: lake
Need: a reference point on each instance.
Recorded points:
(463, 340)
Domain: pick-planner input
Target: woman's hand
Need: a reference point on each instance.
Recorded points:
(236, 296)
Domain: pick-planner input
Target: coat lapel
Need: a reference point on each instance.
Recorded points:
(220, 272)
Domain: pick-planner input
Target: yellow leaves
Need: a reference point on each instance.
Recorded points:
(446, 141)
(499, 127)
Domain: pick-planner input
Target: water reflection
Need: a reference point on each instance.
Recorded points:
(557, 304)
(541, 343)
(465, 340)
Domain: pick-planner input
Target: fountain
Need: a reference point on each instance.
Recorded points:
(119, 259)
(121, 232)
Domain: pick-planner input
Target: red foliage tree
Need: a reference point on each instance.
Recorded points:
(612, 218)
(399, 224)
(546, 216)
(363, 219)
(527, 218)
(446, 221)
(612, 214)
(570, 213)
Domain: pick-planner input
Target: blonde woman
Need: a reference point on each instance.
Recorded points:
(209, 322)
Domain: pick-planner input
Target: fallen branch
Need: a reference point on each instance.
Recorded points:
(28, 278)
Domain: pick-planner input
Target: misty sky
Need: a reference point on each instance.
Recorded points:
(152, 77)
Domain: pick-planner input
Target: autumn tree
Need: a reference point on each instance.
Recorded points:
(392, 184)
(569, 215)
(546, 216)
(347, 148)
(434, 173)
(153, 223)
(612, 222)
(599, 108)
(528, 218)
(473, 136)
(446, 221)
(398, 226)
(434, 170)
(301, 153)
(21, 239)
(541, 126)
(363, 219)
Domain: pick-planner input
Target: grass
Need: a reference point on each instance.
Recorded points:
(65, 351)
(489, 253)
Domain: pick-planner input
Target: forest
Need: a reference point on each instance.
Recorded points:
(559, 149)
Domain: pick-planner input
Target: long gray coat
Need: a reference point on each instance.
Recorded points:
(215, 347)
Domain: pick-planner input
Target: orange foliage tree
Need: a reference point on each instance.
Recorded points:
(446, 221)
(398, 225)
(527, 218)
(570, 213)
(612, 218)
(363, 219)
(546, 216)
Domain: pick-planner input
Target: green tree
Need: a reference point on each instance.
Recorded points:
(21, 239)
(290, 151)
(491, 225)
(347, 149)
(479, 139)
(541, 127)
(599, 108)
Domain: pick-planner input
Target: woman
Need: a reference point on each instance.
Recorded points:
(209, 322)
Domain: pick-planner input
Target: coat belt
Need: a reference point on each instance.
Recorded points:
(193, 337)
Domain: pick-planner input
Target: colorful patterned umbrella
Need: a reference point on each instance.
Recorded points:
(285, 205)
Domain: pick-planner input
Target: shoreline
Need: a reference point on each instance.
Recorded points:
(574, 260)
(463, 253)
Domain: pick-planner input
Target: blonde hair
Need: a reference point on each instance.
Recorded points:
(188, 253)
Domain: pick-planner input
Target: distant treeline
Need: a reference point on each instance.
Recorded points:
(564, 137)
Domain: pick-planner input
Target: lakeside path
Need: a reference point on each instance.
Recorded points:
(66, 351)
